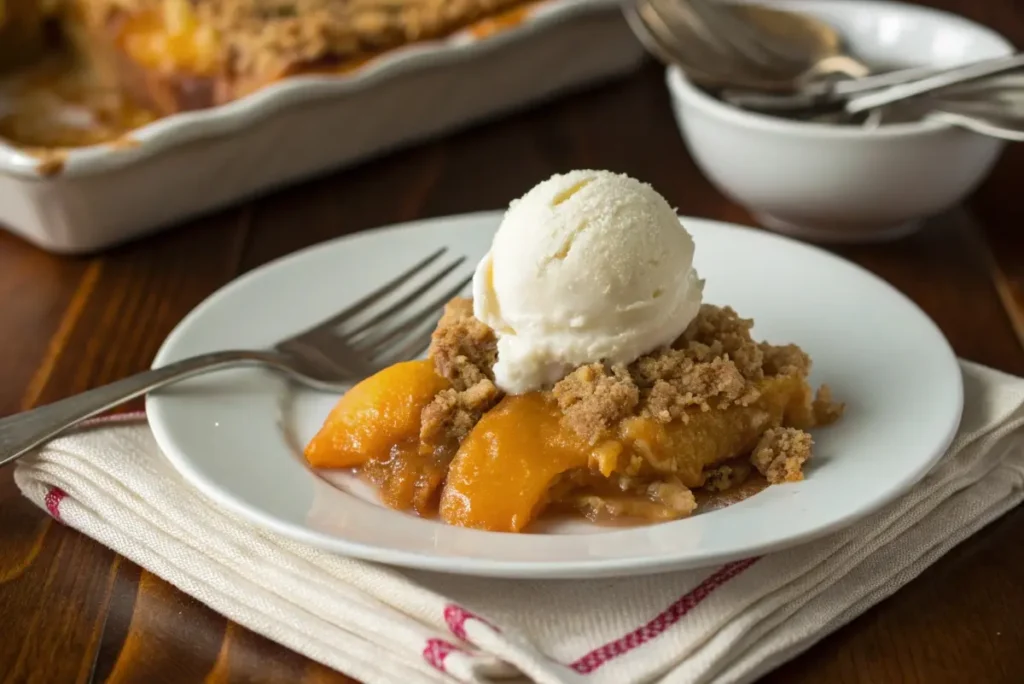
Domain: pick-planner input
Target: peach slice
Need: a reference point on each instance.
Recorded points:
(380, 413)
(501, 474)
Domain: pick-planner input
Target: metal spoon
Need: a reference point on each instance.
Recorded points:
(994, 117)
(834, 91)
(722, 45)
(956, 76)
(993, 106)
(994, 126)
(824, 91)
(982, 81)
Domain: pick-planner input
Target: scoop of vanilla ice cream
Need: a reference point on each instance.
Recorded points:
(587, 266)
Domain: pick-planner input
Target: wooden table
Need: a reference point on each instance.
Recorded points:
(72, 610)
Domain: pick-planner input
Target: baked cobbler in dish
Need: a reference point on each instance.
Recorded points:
(160, 57)
(183, 54)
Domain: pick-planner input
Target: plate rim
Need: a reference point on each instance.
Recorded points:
(512, 569)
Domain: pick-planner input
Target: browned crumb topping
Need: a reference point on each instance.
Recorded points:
(714, 364)
(720, 331)
(784, 359)
(452, 414)
(595, 398)
(780, 454)
(672, 381)
(463, 349)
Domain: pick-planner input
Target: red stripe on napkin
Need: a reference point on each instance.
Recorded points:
(52, 501)
(665, 619)
(456, 616)
(437, 650)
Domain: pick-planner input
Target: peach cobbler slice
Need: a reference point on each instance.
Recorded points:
(626, 441)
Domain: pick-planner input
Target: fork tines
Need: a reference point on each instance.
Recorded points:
(402, 329)
(394, 322)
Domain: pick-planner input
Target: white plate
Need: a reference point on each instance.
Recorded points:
(237, 435)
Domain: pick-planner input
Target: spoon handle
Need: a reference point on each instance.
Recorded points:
(885, 79)
(1004, 128)
(946, 78)
(833, 93)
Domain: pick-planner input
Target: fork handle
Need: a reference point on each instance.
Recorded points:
(22, 432)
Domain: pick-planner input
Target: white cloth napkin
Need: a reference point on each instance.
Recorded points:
(723, 624)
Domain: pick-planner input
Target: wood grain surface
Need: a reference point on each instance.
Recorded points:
(71, 610)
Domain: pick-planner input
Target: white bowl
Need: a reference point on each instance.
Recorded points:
(844, 183)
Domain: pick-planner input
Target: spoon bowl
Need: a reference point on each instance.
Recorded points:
(741, 46)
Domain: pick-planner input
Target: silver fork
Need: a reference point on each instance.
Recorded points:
(371, 334)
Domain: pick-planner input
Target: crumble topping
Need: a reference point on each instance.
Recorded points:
(464, 351)
(594, 398)
(781, 453)
(453, 413)
(720, 331)
(672, 381)
(784, 359)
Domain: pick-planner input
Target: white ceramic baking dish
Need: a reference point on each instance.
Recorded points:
(196, 162)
